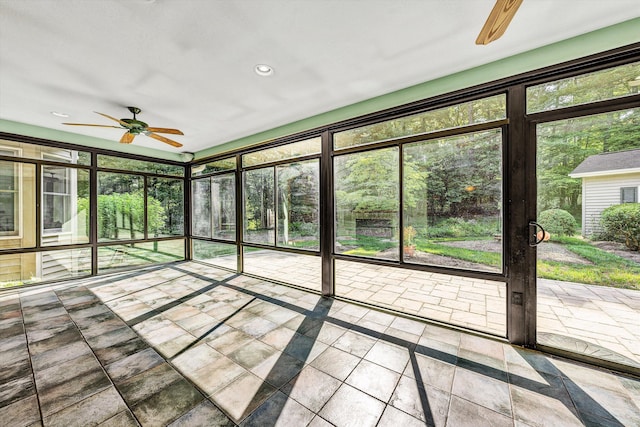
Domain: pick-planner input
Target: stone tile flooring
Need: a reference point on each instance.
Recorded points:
(188, 345)
(593, 320)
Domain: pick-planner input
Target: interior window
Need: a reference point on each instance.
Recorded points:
(9, 225)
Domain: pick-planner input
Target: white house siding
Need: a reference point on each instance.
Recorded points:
(599, 193)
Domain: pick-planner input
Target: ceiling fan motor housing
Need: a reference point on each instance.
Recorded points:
(137, 127)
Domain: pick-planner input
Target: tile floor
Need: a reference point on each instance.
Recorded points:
(593, 320)
(187, 345)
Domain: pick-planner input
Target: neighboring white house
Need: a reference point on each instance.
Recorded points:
(607, 179)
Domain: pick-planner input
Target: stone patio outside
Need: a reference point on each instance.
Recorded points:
(594, 320)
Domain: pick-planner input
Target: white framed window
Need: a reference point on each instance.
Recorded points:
(56, 195)
(10, 225)
(56, 198)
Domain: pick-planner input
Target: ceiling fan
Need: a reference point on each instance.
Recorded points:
(136, 127)
(498, 20)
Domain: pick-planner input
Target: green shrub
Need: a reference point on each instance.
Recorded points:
(303, 228)
(558, 222)
(623, 223)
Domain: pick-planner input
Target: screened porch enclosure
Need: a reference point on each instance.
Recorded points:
(423, 211)
(415, 214)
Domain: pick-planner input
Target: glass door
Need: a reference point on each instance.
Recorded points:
(588, 259)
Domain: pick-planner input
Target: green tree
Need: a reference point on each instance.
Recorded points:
(563, 145)
(461, 175)
(259, 201)
(125, 212)
(582, 89)
(368, 182)
(298, 199)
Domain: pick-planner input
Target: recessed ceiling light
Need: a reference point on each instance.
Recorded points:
(263, 70)
(57, 114)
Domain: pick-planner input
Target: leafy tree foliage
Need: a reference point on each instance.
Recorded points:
(298, 200)
(462, 175)
(121, 207)
(259, 199)
(368, 182)
(169, 194)
(582, 89)
(467, 113)
(297, 191)
(124, 213)
(564, 144)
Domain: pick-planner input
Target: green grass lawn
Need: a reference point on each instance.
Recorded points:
(367, 246)
(607, 269)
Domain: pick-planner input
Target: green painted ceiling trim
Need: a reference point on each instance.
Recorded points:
(83, 140)
(601, 40)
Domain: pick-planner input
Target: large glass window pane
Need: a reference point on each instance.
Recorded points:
(120, 206)
(478, 304)
(214, 207)
(32, 151)
(259, 212)
(452, 201)
(223, 202)
(139, 254)
(585, 162)
(367, 203)
(29, 268)
(17, 205)
(201, 201)
(122, 163)
(215, 166)
(296, 269)
(214, 253)
(165, 207)
(465, 114)
(283, 152)
(299, 204)
(65, 205)
(588, 265)
(598, 86)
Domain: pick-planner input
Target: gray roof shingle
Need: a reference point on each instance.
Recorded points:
(618, 160)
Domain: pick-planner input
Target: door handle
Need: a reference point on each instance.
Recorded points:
(533, 234)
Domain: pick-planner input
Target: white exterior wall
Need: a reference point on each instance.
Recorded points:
(600, 192)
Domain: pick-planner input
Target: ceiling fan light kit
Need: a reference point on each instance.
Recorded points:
(498, 21)
(136, 127)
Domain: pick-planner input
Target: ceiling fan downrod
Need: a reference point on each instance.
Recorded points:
(134, 111)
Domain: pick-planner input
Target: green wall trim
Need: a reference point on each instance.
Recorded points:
(601, 40)
(83, 140)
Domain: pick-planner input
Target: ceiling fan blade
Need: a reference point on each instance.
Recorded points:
(125, 124)
(86, 124)
(498, 20)
(163, 139)
(127, 138)
(166, 130)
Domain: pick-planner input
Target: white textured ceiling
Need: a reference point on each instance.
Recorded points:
(188, 64)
